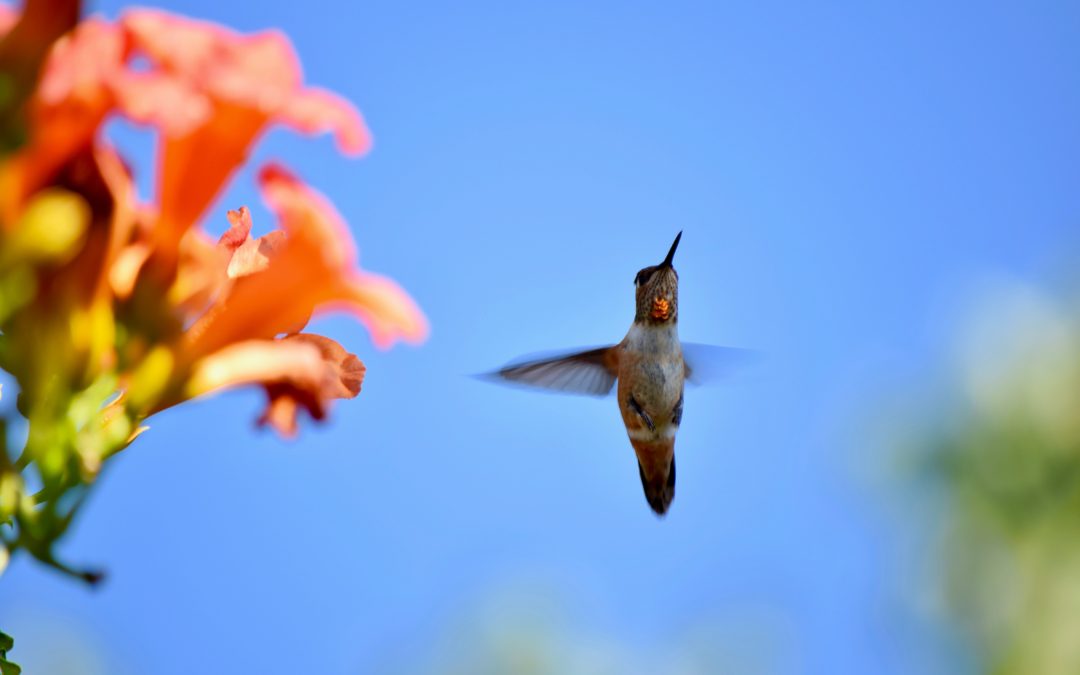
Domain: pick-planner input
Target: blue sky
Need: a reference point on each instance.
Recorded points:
(844, 174)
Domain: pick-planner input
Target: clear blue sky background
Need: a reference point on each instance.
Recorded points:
(842, 172)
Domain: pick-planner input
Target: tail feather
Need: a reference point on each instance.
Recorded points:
(660, 489)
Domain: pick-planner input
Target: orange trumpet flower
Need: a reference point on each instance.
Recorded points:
(214, 92)
(111, 309)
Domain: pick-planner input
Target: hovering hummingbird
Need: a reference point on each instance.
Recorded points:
(651, 367)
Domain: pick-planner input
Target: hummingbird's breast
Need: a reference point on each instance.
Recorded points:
(651, 372)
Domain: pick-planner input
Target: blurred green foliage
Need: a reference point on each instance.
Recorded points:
(7, 667)
(527, 629)
(1006, 458)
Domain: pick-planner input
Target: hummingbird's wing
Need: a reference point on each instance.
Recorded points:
(706, 363)
(591, 372)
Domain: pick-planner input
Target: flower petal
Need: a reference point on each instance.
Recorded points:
(72, 99)
(213, 92)
(301, 371)
(248, 255)
(254, 254)
(315, 111)
(200, 275)
(239, 229)
(27, 37)
(345, 372)
(304, 213)
(344, 375)
(196, 166)
(312, 269)
(124, 270)
(379, 303)
(259, 70)
(258, 362)
(174, 106)
(282, 410)
(384, 308)
(206, 270)
(8, 17)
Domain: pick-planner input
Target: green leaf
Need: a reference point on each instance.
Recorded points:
(7, 667)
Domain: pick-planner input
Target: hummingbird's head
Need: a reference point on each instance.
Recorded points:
(657, 289)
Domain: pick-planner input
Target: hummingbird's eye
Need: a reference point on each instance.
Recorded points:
(642, 277)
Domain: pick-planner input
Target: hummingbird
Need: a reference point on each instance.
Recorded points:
(651, 367)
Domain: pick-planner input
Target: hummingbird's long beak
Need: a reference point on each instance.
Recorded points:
(671, 253)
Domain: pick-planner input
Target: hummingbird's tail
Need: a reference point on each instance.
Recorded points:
(659, 488)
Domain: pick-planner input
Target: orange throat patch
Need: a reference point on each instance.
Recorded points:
(661, 309)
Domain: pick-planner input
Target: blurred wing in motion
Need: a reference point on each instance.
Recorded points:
(590, 372)
(706, 364)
